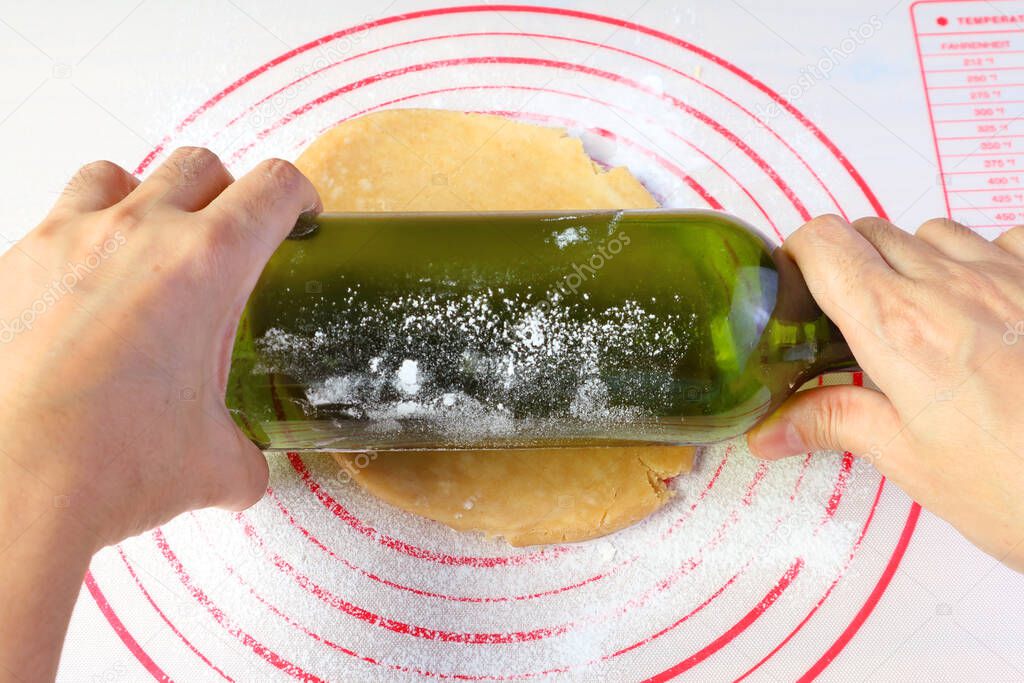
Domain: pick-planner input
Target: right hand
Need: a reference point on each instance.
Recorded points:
(936, 320)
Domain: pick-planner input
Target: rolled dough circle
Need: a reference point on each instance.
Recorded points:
(433, 160)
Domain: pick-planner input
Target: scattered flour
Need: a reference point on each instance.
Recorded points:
(483, 364)
(570, 236)
(407, 380)
(727, 547)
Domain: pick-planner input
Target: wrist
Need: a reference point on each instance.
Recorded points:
(34, 514)
(46, 553)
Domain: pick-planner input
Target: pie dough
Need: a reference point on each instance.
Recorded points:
(431, 160)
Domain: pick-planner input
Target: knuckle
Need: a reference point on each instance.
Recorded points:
(100, 169)
(880, 232)
(203, 155)
(193, 152)
(944, 228)
(122, 216)
(829, 418)
(870, 223)
(938, 224)
(810, 238)
(50, 227)
(826, 226)
(93, 173)
(282, 174)
(191, 162)
(876, 230)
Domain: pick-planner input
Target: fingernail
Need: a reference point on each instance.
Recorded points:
(305, 226)
(776, 438)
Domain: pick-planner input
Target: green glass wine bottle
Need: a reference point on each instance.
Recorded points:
(523, 330)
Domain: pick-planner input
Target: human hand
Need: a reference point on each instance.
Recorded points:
(117, 322)
(936, 321)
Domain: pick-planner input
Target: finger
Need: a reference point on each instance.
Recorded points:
(956, 241)
(839, 418)
(235, 472)
(189, 180)
(903, 253)
(842, 269)
(250, 218)
(95, 187)
(1012, 241)
(248, 477)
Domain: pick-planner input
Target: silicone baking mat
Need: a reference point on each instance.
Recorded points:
(737, 576)
(810, 568)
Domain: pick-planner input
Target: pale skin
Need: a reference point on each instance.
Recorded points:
(113, 391)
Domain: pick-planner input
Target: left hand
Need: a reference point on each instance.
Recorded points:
(116, 327)
(117, 320)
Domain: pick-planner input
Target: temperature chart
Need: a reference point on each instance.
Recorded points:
(971, 54)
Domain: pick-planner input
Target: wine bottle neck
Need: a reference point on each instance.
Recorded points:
(835, 355)
(817, 343)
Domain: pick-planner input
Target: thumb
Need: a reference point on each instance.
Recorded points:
(838, 418)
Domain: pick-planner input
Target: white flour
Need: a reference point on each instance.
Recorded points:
(484, 363)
